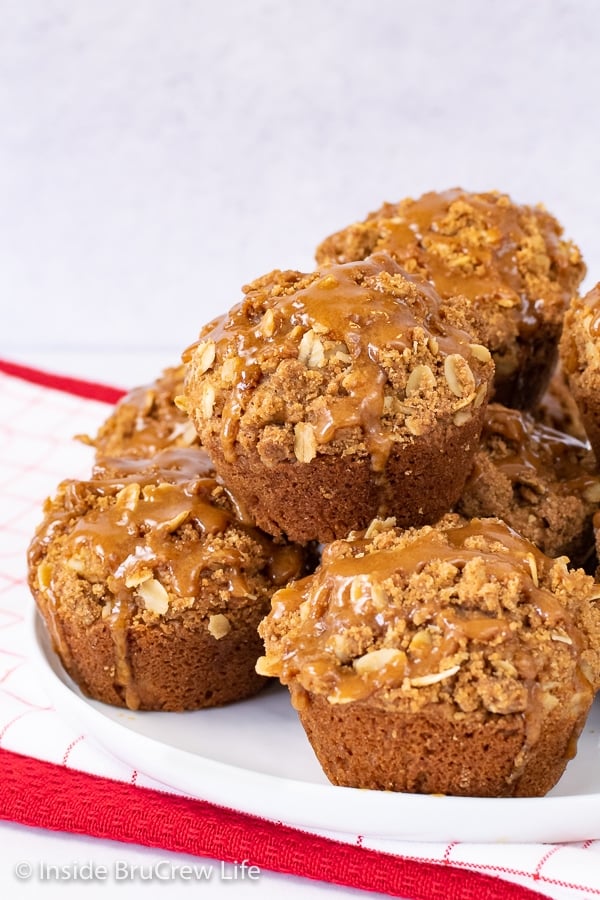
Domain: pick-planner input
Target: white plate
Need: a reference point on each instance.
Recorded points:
(253, 756)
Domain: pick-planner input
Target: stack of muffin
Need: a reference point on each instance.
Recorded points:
(373, 483)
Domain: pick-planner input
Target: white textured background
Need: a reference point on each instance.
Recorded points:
(156, 154)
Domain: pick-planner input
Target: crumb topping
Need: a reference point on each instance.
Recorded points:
(511, 259)
(349, 359)
(580, 345)
(147, 420)
(150, 539)
(471, 616)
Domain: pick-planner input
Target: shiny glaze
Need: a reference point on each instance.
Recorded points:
(135, 537)
(352, 306)
(592, 301)
(415, 229)
(346, 592)
(536, 450)
(153, 423)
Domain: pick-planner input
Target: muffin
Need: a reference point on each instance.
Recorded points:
(541, 482)
(580, 355)
(328, 398)
(453, 659)
(557, 408)
(509, 260)
(596, 524)
(152, 588)
(146, 420)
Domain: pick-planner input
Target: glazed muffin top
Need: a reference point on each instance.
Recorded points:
(464, 614)
(149, 540)
(146, 420)
(510, 259)
(542, 482)
(580, 342)
(351, 359)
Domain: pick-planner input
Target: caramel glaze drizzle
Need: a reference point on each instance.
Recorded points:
(336, 608)
(155, 426)
(135, 537)
(354, 308)
(592, 300)
(534, 449)
(412, 227)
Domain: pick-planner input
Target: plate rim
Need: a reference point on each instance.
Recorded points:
(372, 814)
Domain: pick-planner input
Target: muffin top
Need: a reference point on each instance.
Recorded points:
(466, 615)
(153, 539)
(349, 359)
(580, 343)
(541, 481)
(146, 420)
(510, 258)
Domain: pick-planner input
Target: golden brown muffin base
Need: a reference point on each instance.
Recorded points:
(173, 666)
(361, 746)
(331, 495)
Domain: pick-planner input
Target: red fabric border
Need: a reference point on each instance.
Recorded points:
(37, 793)
(91, 390)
